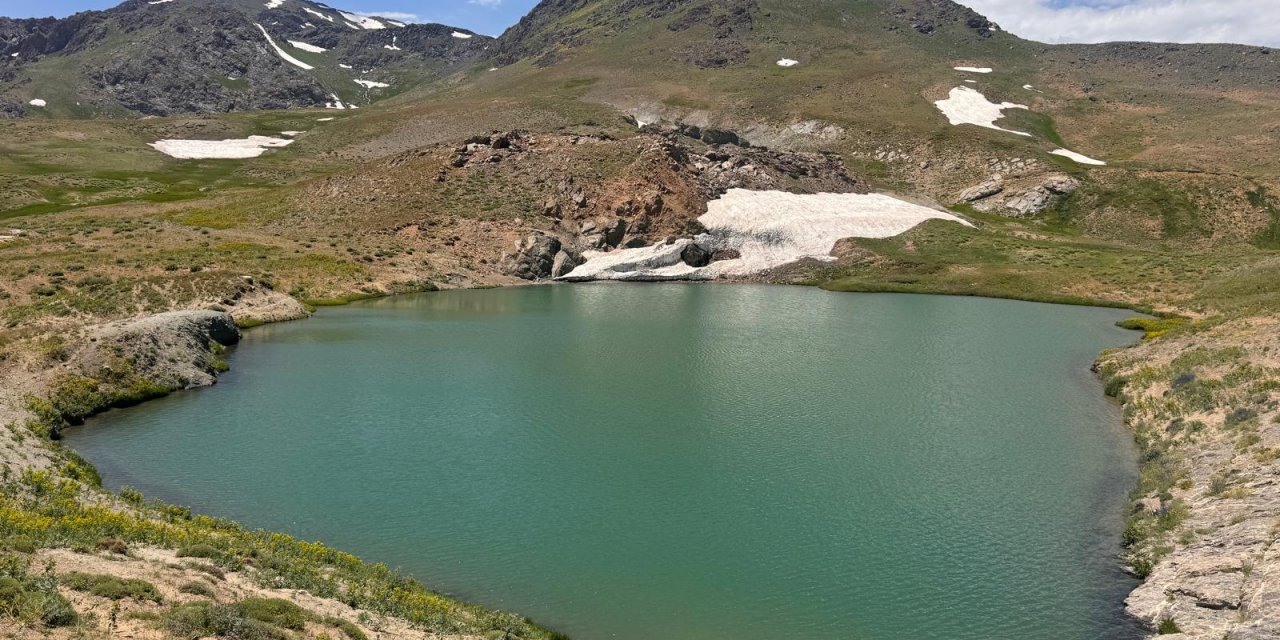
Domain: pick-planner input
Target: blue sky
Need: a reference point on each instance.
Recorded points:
(1242, 21)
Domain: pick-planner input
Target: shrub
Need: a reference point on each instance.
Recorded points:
(348, 628)
(113, 545)
(198, 589)
(203, 619)
(111, 587)
(201, 550)
(1168, 627)
(275, 611)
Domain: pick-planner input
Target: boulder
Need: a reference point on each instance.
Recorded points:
(695, 256)
(614, 232)
(720, 136)
(564, 263)
(983, 191)
(535, 258)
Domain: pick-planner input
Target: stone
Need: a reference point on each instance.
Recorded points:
(564, 263)
(991, 187)
(695, 256)
(614, 232)
(535, 258)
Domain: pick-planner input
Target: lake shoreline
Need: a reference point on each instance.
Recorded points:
(1142, 617)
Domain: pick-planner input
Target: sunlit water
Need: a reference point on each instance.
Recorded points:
(679, 461)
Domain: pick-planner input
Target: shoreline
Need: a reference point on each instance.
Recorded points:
(1119, 564)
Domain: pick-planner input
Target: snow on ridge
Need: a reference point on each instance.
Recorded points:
(968, 106)
(768, 229)
(240, 149)
(975, 69)
(362, 21)
(460, 35)
(788, 62)
(370, 84)
(38, 103)
(159, 1)
(287, 58)
(317, 14)
(297, 44)
(1078, 157)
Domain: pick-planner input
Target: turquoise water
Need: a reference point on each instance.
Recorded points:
(679, 461)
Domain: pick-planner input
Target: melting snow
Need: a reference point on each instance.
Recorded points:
(38, 103)
(1081, 158)
(287, 58)
(461, 36)
(788, 62)
(769, 229)
(365, 23)
(975, 69)
(307, 47)
(968, 106)
(250, 147)
(272, 4)
(317, 14)
(369, 84)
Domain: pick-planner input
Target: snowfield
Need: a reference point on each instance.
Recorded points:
(297, 44)
(362, 22)
(768, 229)
(968, 106)
(250, 147)
(1078, 157)
(281, 52)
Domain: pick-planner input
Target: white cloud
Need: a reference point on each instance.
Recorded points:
(399, 16)
(1057, 21)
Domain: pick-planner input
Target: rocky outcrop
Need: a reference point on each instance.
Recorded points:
(535, 258)
(1043, 195)
(172, 349)
(1205, 407)
(982, 191)
(1021, 197)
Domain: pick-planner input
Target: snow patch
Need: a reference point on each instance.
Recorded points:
(317, 14)
(370, 84)
(968, 106)
(38, 103)
(336, 104)
(325, 119)
(395, 23)
(291, 134)
(768, 229)
(250, 147)
(362, 21)
(307, 47)
(160, 2)
(975, 69)
(345, 66)
(460, 35)
(274, 4)
(394, 46)
(1081, 158)
(285, 56)
(788, 62)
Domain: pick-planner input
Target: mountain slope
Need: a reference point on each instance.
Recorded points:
(181, 56)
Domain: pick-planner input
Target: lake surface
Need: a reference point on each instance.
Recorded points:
(679, 461)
